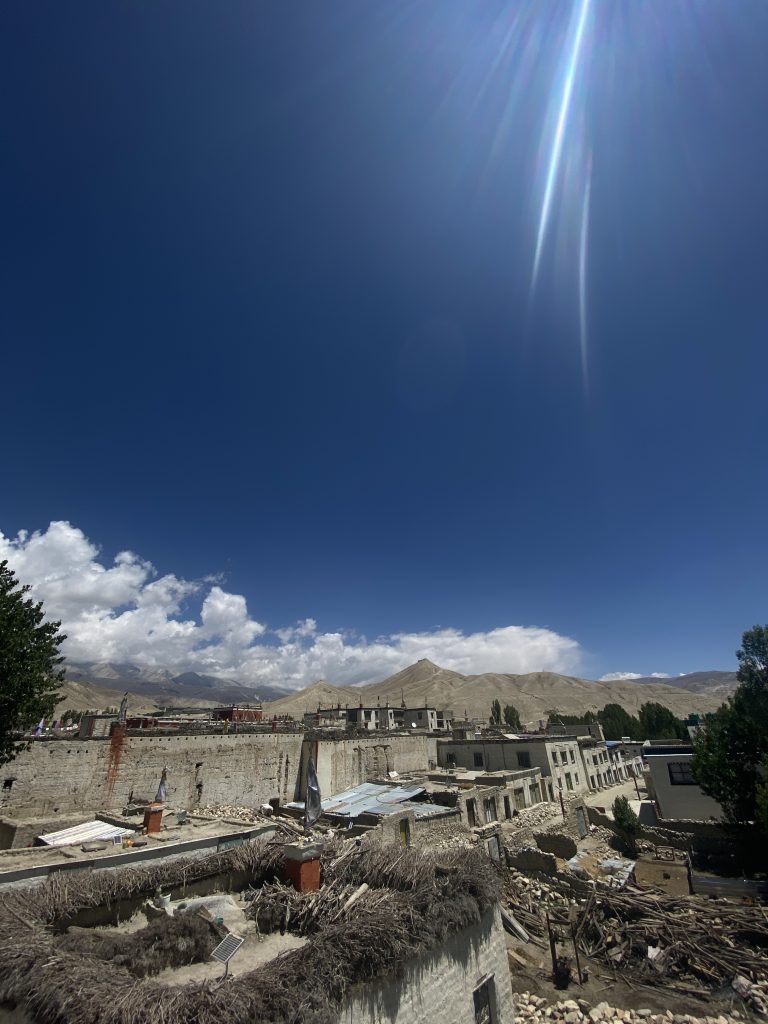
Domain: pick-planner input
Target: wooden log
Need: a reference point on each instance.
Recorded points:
(352, 899)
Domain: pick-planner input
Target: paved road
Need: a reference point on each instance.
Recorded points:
(607, 796)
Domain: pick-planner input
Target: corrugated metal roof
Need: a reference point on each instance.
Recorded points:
(371, 798)
(88, 832)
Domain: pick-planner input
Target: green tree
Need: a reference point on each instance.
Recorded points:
(29, 660)
(616, 722)
(761, 800)
(731, 750)
(627, 823)
(659, 723)
(496, 713)
(512, 717)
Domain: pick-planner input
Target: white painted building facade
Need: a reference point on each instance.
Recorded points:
(676, 793)
(558, 757)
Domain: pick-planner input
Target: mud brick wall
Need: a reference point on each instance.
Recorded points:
(64, 776)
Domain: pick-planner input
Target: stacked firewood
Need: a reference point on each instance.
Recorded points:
(687, 942)
(676, 936)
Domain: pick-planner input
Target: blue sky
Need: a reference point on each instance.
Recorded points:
(270, 324)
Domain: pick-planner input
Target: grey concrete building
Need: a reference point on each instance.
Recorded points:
(674, 789)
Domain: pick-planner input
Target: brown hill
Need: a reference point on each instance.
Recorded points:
(533, 694)
(322, 693)
(82, 696)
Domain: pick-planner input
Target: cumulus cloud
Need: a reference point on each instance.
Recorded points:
(612, 677)
(127, 612)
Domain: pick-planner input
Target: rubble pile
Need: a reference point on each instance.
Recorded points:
(213, 810)
(681, 943)
(539, 815)
(534, 1009)
(682, 938)
(526, 894)
(519, 831)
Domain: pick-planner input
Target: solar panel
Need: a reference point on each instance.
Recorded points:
(227, 948)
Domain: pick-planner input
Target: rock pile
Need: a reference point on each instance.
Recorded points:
(553, 892)
(755, 992)
(231, 811)
(529, 1008)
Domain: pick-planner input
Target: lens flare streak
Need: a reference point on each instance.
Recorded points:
(583, 248)
(556, 151)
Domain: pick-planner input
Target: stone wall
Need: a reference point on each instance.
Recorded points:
(64, 776)
(438, 987)
(560, 845)
(443, 831)
(531, 861)
(18, 834)
(344, 763)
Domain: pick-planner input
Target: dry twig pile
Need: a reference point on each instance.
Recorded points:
(413, 901)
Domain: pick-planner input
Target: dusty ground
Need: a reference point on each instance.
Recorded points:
(669, 876)
(605, 798)
(616, 988)
(257, 949)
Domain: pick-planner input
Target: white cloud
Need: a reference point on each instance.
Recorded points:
(124, 612)
(613, 677)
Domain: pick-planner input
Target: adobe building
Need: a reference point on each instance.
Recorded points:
(237, 713)
(420, 941)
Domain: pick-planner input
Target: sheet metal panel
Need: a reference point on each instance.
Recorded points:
(371, 798)
(88, 832)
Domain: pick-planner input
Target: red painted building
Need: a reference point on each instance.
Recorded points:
(238, 713)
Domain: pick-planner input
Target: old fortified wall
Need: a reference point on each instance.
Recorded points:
(344, 763)
(87, 774)
(62, 776)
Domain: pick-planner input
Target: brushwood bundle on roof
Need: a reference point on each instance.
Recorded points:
(414, 900)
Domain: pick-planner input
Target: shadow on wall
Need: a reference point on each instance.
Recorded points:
(438, 987)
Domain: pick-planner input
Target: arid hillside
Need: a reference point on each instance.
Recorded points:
(533, 695)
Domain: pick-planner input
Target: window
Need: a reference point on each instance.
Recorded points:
(568, 780)
(554, 757)
(483, 1000)
(576, 778)
(8, 783)
(489, 807)
(507, 808)
(573, 756)
(680, 773)
(523, 759)
(471, 813)
(478, 759)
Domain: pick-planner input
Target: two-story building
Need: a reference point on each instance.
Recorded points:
(375, 717)
(598, 769)
(558, 757)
